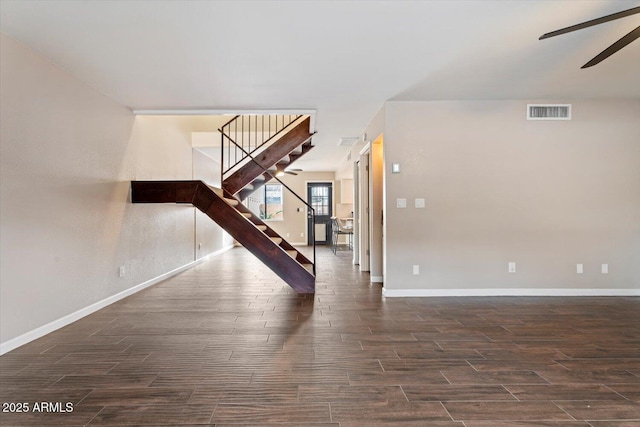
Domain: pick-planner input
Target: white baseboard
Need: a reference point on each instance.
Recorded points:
(508, 292)
(377, 279)
(41, 331)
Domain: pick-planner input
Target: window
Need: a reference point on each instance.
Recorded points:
(320, 199)
(273, 203)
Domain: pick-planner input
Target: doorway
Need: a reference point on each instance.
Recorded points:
(364, 211)
(320, 197)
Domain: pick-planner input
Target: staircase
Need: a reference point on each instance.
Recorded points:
(253, 149)
(245, 166)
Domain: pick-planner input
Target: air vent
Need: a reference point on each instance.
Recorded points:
(548, 111)
(347, 142)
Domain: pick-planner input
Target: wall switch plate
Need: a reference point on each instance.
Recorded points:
(395, 168)
(401, 203)
(288, 235)
(121, 271)
(579, 268)
(301, 234)
(416, 270)
(199, 246)
(512, 267)
(419, 203)
(605, 269)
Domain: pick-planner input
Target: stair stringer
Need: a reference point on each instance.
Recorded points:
(242, 229)
(270, 232)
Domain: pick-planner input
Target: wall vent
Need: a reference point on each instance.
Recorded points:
(548, 111)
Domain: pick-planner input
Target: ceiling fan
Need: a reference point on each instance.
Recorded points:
(622, 42)
(279, 171)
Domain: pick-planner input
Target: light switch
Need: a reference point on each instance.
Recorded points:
(419, 203)
(395, 168)
(401, 203)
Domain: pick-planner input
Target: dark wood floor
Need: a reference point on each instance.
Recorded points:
(228, 343)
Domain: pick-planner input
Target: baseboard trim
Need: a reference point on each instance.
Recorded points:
(41, 331)
(509, 292)
(377, 279)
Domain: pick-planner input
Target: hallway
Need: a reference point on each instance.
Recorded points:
(228, 343)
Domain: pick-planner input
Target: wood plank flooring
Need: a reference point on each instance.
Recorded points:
(227, 343)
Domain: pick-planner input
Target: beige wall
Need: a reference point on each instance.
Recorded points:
(67, 156)
(294, 226)
(498, 188)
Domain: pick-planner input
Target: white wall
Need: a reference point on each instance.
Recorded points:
(498, 188)
(67, 155)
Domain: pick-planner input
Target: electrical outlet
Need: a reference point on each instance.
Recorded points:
(605, 269)
(401, 203)
(301, 234)
(512, 267)
(288, 235)
(416, 270)
(579, 268)
(121, 271)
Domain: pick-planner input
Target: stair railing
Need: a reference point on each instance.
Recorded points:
(311, 212)
(249, 133)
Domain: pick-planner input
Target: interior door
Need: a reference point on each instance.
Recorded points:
(320, 197)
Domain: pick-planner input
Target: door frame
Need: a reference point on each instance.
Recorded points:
(364, 211)
(306, 197)
(356, 212)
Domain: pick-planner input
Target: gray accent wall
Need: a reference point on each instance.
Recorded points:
(68, 154)
(547, 195)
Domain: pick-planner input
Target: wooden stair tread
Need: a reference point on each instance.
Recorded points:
(276, 240)
(292, 253)
(246, 214)
(220, 193)
(262, 227)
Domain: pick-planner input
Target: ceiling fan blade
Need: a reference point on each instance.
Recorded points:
(291, 173)
(633, 35)
(591, 23)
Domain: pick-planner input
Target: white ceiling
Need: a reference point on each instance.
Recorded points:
(343, 59)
